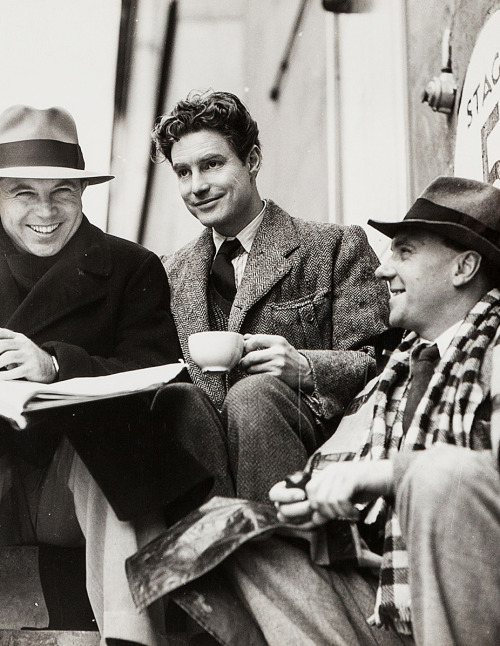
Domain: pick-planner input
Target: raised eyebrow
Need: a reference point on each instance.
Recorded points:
(202, 160)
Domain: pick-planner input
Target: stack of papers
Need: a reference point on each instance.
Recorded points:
(20, 397)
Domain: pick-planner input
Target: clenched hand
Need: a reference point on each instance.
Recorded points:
(334, 492)
(20, 358)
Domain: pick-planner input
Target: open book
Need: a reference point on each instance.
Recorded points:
(20, 397)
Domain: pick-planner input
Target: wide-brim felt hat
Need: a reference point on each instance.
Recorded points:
(42, 144)
(463, 210)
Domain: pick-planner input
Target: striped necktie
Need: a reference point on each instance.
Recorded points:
(424, 361)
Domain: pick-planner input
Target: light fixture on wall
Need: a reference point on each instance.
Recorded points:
(441, 91)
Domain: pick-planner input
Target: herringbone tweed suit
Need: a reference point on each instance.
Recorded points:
(312, 283)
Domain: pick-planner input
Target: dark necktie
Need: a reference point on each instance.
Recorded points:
(223, 270)
(424, 361)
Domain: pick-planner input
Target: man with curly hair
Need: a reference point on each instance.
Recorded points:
(303, 294)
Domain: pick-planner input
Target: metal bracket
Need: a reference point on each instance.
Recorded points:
(441, 91)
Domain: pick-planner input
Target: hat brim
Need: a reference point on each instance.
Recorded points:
(459, 233)
(54, 172)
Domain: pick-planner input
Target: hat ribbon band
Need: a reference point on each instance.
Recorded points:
(424, 209)
(41, 152)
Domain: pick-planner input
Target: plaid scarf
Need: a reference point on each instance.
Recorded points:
(445, 414)
(495, 399)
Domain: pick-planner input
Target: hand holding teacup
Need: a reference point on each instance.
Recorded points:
(216, 351)
(273, 354)
(220, 351)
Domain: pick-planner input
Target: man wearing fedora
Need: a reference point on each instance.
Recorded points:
(411, 465)
(78, 302)
(303, 294)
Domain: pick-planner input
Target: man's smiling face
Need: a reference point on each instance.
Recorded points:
(40, 215)
(217, 187)
(419, 273)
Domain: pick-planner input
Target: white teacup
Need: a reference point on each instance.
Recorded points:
(216, 351)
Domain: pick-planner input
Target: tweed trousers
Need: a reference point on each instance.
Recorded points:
(247, 448)
(270, 433)
(195, 423)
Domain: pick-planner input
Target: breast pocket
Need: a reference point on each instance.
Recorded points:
(304, 322)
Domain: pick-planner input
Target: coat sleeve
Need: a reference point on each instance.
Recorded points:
(144, 331)
(359, 312)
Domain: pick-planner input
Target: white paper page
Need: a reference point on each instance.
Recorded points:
(16, 396)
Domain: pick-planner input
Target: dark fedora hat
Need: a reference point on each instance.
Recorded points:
(42, 144)
(463, 210)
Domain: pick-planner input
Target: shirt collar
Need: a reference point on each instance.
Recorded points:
(246, 236)
(444, 340)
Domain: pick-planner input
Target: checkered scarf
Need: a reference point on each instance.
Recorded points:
(495, 399)
(445, 414)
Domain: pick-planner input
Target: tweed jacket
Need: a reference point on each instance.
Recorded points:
(311, 282)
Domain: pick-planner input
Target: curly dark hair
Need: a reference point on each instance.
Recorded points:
(220, 111)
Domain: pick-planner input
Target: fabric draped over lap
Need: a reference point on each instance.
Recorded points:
(446, 414)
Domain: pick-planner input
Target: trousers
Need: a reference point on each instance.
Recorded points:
(448, 503)
(264, 432)
(270, 433)
(61, 504)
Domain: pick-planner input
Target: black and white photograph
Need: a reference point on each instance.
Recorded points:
(249, 323)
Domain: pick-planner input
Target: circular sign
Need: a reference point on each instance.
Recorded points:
(477, 149)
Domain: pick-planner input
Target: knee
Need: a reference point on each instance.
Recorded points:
(258, 401)
(179, 398)
(252, 392)
(253, 386)
(434, 477)
(179, 392)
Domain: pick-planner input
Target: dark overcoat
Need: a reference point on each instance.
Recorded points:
(102, 309)
(312, 283)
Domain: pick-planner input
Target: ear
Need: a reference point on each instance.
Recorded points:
(466, 267)
(254, 161)
(84, 185)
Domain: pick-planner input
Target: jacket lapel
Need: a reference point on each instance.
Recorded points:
(72, 283)
(189, 300)
(271, 257)
(10, 294)
(190, 308)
